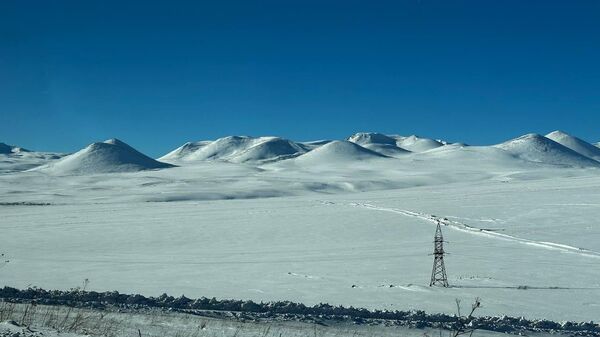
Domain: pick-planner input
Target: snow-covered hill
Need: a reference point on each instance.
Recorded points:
(575, 144)
(338, 152)
(237, 149)
(111, 155)
(9, 149)
(184, 151)
(484, 158)
(362, 138)
(16, 159)
(417, 144)
(311, 145)
(557, 148)
(536, 148)
(378, 142)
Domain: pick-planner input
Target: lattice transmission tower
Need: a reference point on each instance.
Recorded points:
(438, 274)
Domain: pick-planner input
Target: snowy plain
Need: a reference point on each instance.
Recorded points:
(343, 222)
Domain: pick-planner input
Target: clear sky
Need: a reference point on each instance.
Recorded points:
(159, 73)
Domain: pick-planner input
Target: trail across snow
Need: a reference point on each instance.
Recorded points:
(456, 225)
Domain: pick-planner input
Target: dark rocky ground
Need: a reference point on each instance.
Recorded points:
(322, 314)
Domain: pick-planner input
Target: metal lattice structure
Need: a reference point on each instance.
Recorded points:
(438, 274)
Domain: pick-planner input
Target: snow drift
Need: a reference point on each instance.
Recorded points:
(536, 148)
(580, 146)
(111, 155)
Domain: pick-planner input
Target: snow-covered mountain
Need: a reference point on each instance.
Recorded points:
(575, 144)
(417, 144)
(557, 148)
(314, 144)
(111, 155)
(9, 149)
(17, 159)
(536, 148)
(184, 151)
(237, 149)
(362, 138)
(336, 152)
(378, 142)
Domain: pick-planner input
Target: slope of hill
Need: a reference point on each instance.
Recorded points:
(362, 138)
(183, 151)
(17, 159)
(238, 149)
(537, 148)
(378, 142)
(112, 155)
(580, 146)
(311, 145)
(417, 144)
(270, 149)
(338, 152)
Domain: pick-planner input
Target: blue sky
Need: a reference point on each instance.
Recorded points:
(159, 73)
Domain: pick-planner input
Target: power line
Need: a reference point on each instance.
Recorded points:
(438, 273)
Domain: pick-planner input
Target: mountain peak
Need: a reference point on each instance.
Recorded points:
(537, 148)
(111, 155)
(578, 145)
(9, 149)
(114, 141)
(558, 133)
(415, 143)
(362, 138)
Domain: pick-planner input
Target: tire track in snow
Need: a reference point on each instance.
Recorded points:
(483, 232)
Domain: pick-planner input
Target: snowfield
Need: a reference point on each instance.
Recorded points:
(345, 222)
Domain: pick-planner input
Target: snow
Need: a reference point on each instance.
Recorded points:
(379, 143)
(236, 149)
(520, 218)
(337, 152)
(184, 151)
(111, 155)
(9, 149)
(362, 138)
(575, 144)
(537, 148)
(417, 144)
(14, 159)
(314, 144)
